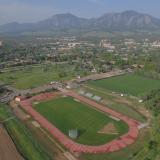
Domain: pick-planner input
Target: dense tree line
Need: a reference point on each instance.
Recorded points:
(153, 101)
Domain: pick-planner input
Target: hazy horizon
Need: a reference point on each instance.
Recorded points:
(35, 10)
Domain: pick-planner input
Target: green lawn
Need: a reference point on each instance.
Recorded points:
(33, 76)
(66, 113)
(130, 84)
(25, 143)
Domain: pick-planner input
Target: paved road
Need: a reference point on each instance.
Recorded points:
(13, 92)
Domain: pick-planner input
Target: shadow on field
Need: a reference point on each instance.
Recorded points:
(81, 132)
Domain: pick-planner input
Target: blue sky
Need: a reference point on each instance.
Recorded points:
(34, 10)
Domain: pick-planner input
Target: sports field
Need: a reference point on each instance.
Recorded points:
(129, 84)
(66, 113)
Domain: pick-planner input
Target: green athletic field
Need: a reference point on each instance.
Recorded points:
(129, 84)
(66, 113)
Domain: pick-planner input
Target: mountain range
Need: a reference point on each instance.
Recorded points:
(124, 21)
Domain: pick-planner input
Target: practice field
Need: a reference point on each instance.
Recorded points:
(129, 84)
(66, 113)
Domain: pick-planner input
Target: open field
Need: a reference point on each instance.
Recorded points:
(34, 76)
(66, 113)
(8, 150)
(25, 143)
(131, 84)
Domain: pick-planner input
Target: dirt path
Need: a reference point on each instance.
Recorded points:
(7, 148)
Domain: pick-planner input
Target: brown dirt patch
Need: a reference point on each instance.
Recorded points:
(7, 148)
(109, 129)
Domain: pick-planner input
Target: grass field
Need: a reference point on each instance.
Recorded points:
(131, 84)
(25, 143)
(31, 77)
(66, 113)
(34, 76)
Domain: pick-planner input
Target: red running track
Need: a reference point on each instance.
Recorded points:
(112, 146)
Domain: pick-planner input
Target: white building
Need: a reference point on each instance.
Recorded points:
(156, 44)
(129, 42)
(106, 44)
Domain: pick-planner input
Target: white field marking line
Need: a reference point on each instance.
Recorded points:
(99, 90)
(69, 156)
(115, 118)
(52, 140)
